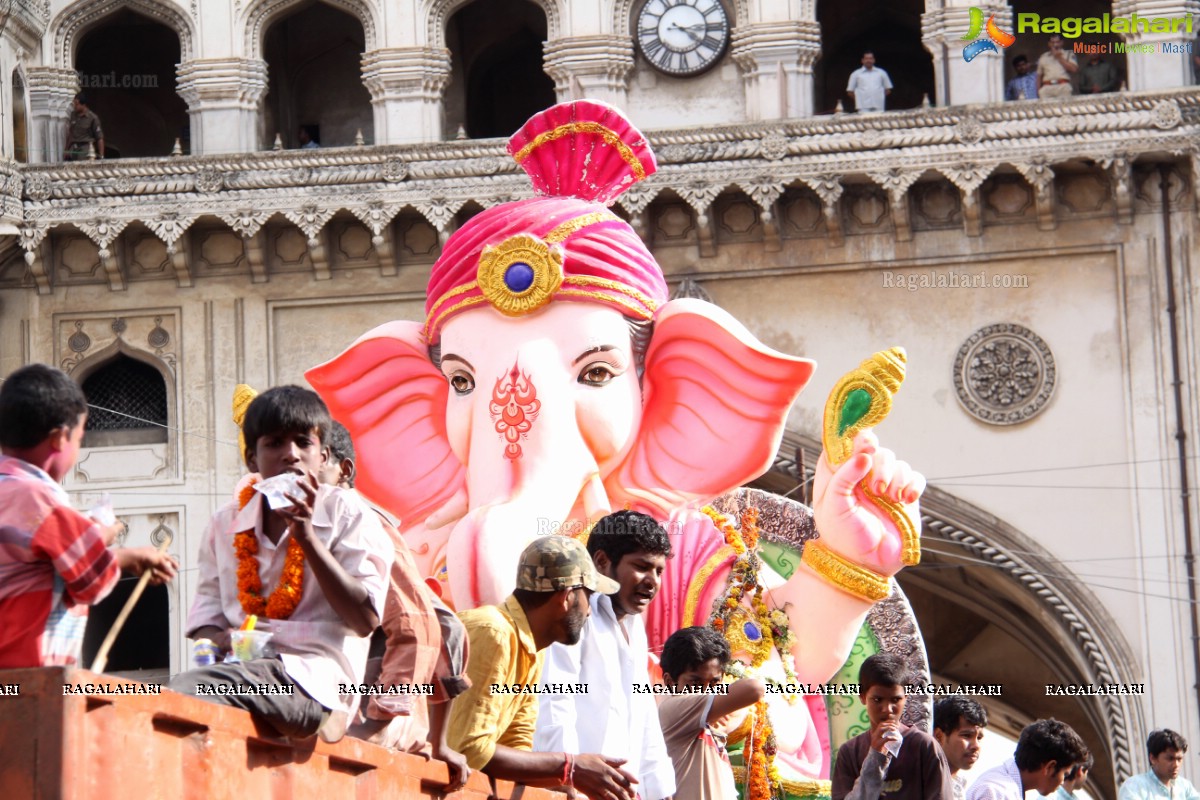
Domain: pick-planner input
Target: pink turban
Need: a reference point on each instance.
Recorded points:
(566, 245)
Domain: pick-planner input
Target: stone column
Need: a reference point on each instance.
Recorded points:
(50, 91)
(776, 59)
(224, 97)
(1170, 64)
(591, 67)
(406, 86)
(959, 83)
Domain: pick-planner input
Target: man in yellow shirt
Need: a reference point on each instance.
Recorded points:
(492, 723)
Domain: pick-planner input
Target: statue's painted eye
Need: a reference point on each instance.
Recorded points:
(597, 374)
(462, 383)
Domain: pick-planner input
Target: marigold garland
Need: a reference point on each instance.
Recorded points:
(282, 602)
(730, 617)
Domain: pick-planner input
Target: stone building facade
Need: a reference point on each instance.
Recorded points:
(1037, 259)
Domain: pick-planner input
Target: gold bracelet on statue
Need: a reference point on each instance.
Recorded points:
(845, 575)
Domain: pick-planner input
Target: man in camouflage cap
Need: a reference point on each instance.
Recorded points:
(552, 563)
(492, 723)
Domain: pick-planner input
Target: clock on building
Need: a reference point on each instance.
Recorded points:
(682, 37)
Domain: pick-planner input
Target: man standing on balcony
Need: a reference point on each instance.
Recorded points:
(869, 85)
(1054, 70)
(83, 132)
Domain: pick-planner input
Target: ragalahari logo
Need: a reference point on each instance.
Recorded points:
(995, 36)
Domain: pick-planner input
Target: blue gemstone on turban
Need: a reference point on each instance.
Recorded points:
(518, 277)
(751, 631)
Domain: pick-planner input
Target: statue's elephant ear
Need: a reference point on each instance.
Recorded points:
(715, 403)
(387, 392)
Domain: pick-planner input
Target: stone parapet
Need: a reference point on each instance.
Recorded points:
(964, 145)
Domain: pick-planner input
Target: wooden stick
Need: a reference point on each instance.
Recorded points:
(101, 659)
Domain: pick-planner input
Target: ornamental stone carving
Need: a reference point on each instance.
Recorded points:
(969, 129)
(773, 146)
(1004, 374)
(209, 180)
(37, 187)
(394, 170)
(1167, 115)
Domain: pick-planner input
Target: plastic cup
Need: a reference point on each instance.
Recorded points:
(248, 645)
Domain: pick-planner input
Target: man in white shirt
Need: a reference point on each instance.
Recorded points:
(617, 714)
(869, 85)
(1045, 753)
(1166, 749)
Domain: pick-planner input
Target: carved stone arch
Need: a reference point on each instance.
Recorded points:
(1000, 577)
(259, 15)
(81, 16)
(440, 11)
(81, 370)
(623, 11)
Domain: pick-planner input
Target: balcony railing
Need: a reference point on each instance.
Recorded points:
(964, 145)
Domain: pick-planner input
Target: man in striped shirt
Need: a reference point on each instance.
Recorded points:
(54, 561)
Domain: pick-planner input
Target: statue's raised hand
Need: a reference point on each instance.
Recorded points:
(849, 522)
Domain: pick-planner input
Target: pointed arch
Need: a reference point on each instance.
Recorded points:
(440, 11)
(259, 15)
(81, 16)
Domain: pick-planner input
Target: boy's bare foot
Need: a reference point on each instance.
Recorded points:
(333, 726)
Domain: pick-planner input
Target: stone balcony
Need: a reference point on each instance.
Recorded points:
(382, 207)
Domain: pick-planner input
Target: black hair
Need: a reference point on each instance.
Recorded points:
(1048, 740)
(1019, 60)
(882, 669)
(688, 648)
(341, 447)
(625, 532)
(949, 710)
(1085, 764)
(285, 409)
(82, 98)
(1165, 739)
(34, 401)
(313, 131)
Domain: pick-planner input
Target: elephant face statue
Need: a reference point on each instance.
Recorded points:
(523, 426)
(552, 381)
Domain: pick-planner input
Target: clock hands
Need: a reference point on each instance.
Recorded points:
(690, 30)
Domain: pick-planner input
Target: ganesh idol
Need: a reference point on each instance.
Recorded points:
(552, 382)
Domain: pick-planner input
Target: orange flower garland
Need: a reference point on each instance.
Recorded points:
(762, 776)
(763, 781)
(282, 602)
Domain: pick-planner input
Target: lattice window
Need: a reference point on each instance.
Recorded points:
(125, 396)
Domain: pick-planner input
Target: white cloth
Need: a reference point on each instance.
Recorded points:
(609, 719)
(869, 87)
(318, 649)
(1002, 782)
(1147, 786)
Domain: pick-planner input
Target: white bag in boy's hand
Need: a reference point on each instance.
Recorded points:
(275, 489)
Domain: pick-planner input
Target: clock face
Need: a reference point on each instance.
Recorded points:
(682, 37)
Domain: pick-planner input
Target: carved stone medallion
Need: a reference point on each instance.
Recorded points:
(1167, 115)
(1004, 374)
(773, 146)
(394, 170)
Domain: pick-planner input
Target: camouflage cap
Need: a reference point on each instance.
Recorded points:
(553, 563)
